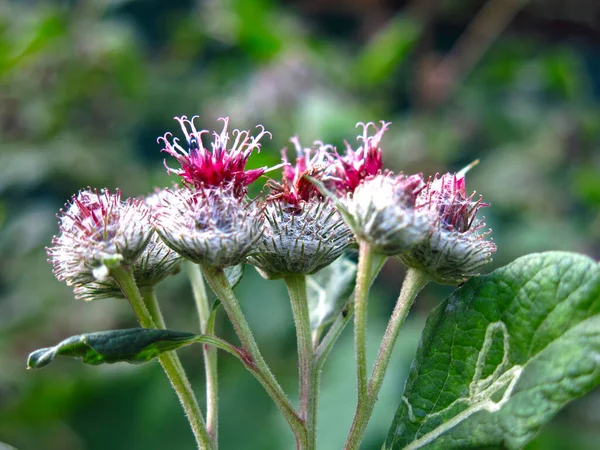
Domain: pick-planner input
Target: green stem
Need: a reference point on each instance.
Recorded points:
(151, 303)
(365, 261)
(210, 353)
(308, 376)
(200, 295)
(414, 281)
(220, 344)
(254, 361)
(168, 360)
(334, 332)
(345, 315)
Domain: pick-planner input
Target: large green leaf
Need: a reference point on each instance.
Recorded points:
(502, 355)
(135, 345)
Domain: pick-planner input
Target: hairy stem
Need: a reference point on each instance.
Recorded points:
(345, 315)
(414, 281)
(151, 303)
(307, 373)
(210, 353)
(254, 361)
(361, 292)
(168, 360)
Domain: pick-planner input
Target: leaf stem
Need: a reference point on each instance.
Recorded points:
(210, 353)
(307, 373)
(168, 360)
(414, 281)
(253, 359)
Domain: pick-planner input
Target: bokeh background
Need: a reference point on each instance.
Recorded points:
(87, 86)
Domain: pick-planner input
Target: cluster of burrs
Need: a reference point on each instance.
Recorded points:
(325, 202)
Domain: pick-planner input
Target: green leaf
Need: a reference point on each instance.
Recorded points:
(135, 345)
(234, 274)
(502, 355)
(34, 40)
(210, 323)
(388, 49)
(328, 289)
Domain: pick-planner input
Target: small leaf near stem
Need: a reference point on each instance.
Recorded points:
(133, 345)
(210, 353)
(307, 374)
(169, 360)
(253, 360)
(327, 291)
(414, 281)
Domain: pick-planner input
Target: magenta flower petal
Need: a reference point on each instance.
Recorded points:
(355, 166)
(223, 164)
(295, 188)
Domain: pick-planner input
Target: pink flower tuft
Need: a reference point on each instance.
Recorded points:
(93, 214)
(455, 249)
(447, 196)
(350, 170)
(295, 188)
(204, 168)
(97, 225)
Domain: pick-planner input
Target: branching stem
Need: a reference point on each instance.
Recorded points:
(169, 360)
(254, 361)
(210, 353)
(414, 281)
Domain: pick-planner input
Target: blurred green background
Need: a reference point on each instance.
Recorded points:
(87, 86)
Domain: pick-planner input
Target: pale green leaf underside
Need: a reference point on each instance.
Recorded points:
(328, 290)
(234, 274)
(502, 355)
(135, 345)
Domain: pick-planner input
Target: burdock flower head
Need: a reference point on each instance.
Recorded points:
(210, 221)
(455, 249)
(97, 230)
(221, 165)
(208, 226)
(383, 213)
(378, 206)
(303, 231)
